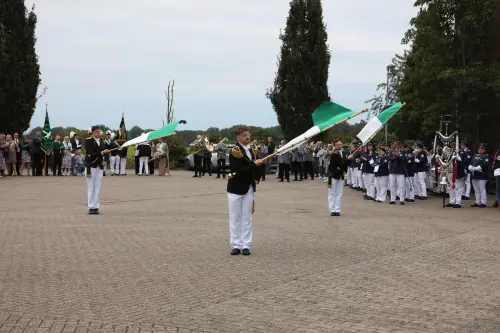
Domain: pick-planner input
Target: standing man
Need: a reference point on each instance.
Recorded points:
(270, 149)
(467, 157)
(455, 200)
(36, 154)
(337, 168)
(397, 160)
(17, 140)
(420, 171)
(479, 167)
(308, 159)
(240, 192)
(114, 158)
(221, 159)
(284, 161)
(94, 159)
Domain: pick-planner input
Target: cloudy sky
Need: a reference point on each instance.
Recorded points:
(100, 58)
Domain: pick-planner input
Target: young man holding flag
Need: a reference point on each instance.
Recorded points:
(336, 172)
(94, 159)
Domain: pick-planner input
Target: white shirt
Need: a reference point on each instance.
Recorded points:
(247, 151)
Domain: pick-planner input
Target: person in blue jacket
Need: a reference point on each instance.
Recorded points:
(397, 160)
(420, 171)
(455, 199)
(381, 174)
(478, 167)
(367, 168)
(466, 158)
(409, 174)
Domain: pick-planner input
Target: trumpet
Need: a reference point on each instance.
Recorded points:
(197, 145)
(221, 144)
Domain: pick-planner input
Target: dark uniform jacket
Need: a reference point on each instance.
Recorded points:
(93, 155)
(244, 170)
(338, 165)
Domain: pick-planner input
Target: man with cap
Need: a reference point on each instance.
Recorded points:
(352, 175)
(381, 174)
(94, 159)
(337, 168)
(409, 174)
(397, 160)
(467, 157)
(420, 171)
(478, 167)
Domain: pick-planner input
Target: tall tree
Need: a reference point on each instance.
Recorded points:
(19, 69)
(450, 70)
(169, 94)
(300, 85)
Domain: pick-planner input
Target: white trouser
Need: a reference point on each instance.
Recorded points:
(398, 185)
(467, 185)
(335, 195)
(143, 162)
(348, 176)
(480, 190)
(94, 186)
(456, 194)
(353, 179)
(114, 166)
(427, 180)
(420, 185)
(369, 180)
(240, 219)
(381, 186)
(410, 189)
(123, 165)
(359, 175)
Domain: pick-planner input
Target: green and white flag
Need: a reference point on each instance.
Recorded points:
(326, 116)
(165, 131)
(376, 123)
(46, 141)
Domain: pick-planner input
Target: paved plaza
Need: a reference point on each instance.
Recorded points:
(157, 260)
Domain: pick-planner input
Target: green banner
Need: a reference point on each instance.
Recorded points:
(47, 141)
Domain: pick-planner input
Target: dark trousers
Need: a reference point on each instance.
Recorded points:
(151, 166)
(316, 166)
(221, 167)
(497, 196)
(297, 169)
(57, 163)
(284, 171)
(207, 165)
(198, 160)
(308, 169)
(18, 163)
(37, 163)
(262, 172)
(137, 165)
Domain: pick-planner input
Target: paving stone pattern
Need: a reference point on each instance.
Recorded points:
(157, 260)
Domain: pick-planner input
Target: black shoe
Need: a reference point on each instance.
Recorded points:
(417, 197)
(411, 200)
(465, 197)
(482, 206)
(96, 211)
(245, 252)
(457, 206)
(91, 212)
(392, 203)
(333, 214)
(474, 205)
(337, 214)
(378, 200)
(422, 198)
(235, 252)
(195, 176)
(450, 205)
(402, 203)
(397, 198)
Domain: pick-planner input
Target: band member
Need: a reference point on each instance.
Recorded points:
(114, 158)
(326, 160)
(144, 157)
(479, 168)
(284, 162)
(367, 167)
(352, 180)
(198, 146)
(381, 170)
(337, 168)
(95, 151)
(207, 161)
(240, 192)
(455, 199)
(409, 174)
(467, 157)
(420, 171)
(307, 159)
(122, 153)
(496, 173)
(221, 159)
(262, 153)
(397, 160)
(296, 164)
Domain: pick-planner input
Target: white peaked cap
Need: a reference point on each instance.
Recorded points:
(113, 135)
(90, 129)
(108, 132)
(71, 134)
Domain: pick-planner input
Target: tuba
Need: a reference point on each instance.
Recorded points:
(197, 145)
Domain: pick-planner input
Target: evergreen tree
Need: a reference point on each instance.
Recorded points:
(19, 69)
(300, 85)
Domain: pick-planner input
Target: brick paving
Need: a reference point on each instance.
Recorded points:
(157, 260)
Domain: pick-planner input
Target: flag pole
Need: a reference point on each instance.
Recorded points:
(324, 130)
(384, 124)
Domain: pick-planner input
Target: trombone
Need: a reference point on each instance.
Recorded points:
(196, 146)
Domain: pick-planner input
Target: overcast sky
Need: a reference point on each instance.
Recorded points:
(100, 58)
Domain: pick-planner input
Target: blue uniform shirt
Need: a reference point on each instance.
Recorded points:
(482, 161)
(366, 158)
(397, 164)
(421, 161)
(383, 166)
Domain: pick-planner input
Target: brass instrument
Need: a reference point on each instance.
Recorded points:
(196, 146)
(221, 142)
